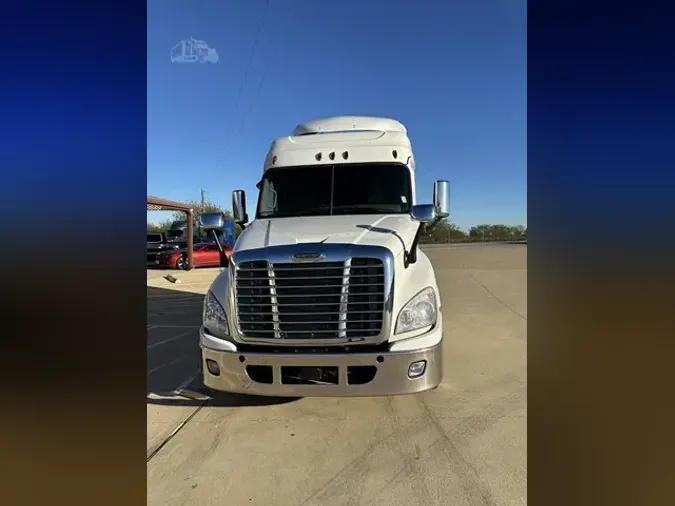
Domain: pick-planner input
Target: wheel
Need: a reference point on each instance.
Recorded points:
(181, 263)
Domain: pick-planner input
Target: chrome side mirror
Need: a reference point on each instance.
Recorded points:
(424, 213)
(442, 198)
(239, 206)
(212, 221)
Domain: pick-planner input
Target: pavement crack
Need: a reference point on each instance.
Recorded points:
(174, 433)
(470, 478)
(497, 298)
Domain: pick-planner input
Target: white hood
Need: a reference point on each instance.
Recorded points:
(377, 230)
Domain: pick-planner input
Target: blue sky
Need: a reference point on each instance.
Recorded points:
(453, 72)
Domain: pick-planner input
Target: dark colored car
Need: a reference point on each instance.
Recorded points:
(157, 243)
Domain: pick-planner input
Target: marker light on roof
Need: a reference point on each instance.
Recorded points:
(274, 159)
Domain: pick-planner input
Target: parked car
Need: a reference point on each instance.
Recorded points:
(204, 255)
(157, 243)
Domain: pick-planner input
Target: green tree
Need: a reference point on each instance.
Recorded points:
(162, 226)
(444, 232)
(480, 233)
(497, 232)
(209, 207)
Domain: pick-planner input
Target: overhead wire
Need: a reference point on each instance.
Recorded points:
(250, 60)
(262, 80)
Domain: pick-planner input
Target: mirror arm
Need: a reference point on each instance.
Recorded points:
(220, 249)
(434, 223)
(410, 257)
(215, 236)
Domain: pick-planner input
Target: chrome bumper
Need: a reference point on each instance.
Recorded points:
(391, 375)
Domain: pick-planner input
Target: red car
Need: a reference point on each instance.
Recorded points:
(204, 255)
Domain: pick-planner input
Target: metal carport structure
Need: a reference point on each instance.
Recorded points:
(157, 204)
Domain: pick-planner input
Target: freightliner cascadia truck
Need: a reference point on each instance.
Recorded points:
(326, 292)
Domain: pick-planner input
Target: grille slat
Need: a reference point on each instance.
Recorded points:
(306, 301)
(317, 304)
(309, 295)
(299, 268)
(318, 312)
(305, 287)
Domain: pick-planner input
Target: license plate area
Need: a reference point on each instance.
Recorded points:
(310, 375)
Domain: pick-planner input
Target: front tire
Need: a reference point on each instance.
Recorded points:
(181, 263)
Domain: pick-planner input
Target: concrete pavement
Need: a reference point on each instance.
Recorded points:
(462, 444)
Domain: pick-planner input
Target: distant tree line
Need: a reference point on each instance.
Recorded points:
(444, 232)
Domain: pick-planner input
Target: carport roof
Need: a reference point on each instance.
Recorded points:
(157, 204)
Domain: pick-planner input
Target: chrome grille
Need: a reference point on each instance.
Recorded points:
(310, 301)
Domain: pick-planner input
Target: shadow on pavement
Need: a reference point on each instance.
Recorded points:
(174, 356)
(197, 397)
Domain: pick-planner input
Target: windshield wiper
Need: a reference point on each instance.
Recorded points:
(324, 210)
(319, 211)
(367, 208)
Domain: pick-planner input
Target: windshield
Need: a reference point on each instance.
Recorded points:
(175, 233)
(335, 189)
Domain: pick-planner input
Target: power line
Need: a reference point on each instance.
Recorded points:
(264, 77)
(250, 58)
(250, 61)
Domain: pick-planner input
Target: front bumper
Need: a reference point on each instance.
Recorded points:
(390, 377)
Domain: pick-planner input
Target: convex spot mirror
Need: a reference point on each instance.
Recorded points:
(212, 221)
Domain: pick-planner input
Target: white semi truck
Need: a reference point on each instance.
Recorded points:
(326, 292)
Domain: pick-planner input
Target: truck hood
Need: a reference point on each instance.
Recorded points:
(390, 231)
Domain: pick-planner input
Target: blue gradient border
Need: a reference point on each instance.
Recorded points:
(601, 144)
(601, 134)
(73, 160)
(74, 110)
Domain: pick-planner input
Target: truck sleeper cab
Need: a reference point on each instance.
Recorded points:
(177, 233)
(326, 292)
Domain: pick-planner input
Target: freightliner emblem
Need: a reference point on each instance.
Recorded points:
(308, 256)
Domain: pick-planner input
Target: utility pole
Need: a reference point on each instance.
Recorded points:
(201, 211)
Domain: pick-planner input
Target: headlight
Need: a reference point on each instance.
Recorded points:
(420, 312)
(214, 317)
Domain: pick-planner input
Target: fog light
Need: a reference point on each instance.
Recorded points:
(212, 366)
(417, 369)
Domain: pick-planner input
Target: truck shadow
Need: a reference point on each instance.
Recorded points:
(173, 354)
(220, 400)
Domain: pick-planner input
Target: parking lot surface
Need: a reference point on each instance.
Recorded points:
(462, 444)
